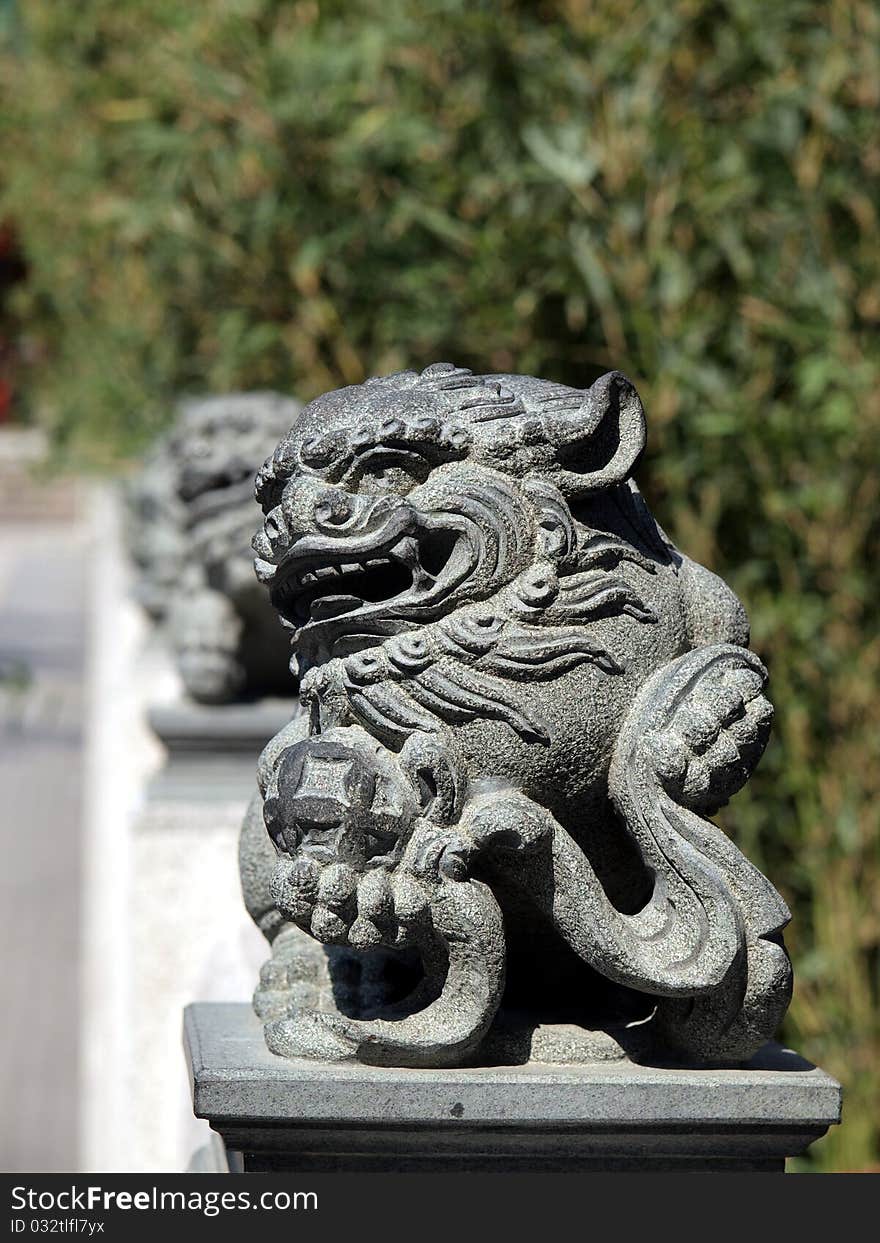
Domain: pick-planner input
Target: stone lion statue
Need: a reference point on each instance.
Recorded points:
(521, 703)
(192, 506)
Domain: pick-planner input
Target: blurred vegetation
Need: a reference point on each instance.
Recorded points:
(253, 193)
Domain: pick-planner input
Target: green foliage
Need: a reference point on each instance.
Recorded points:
(256, 193)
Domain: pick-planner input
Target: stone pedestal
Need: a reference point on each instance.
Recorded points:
(189, 936)
(287, 1115)
(188, 933)
(212, 750)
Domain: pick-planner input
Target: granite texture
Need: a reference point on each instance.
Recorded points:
(283, 1113)
(522, 705)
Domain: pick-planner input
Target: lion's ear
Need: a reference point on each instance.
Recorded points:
(599, 434)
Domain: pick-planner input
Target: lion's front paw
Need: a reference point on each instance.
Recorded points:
(295, 975)
(276, 991)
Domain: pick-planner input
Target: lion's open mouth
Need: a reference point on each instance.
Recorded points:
(332, 590)
(340, 586)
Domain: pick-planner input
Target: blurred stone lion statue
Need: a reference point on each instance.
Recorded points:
(191, 514)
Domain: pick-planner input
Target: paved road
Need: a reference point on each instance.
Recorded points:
(42, 636)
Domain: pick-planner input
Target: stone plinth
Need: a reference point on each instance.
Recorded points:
(212, 751)
(187, 936)
(188, 933)
(284, 1114)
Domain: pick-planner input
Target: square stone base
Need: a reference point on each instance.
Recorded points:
(212, 750)
(278, 1114)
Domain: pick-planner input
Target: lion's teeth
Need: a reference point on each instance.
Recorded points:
(375, 561)
(407, 551)
(307, 577)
